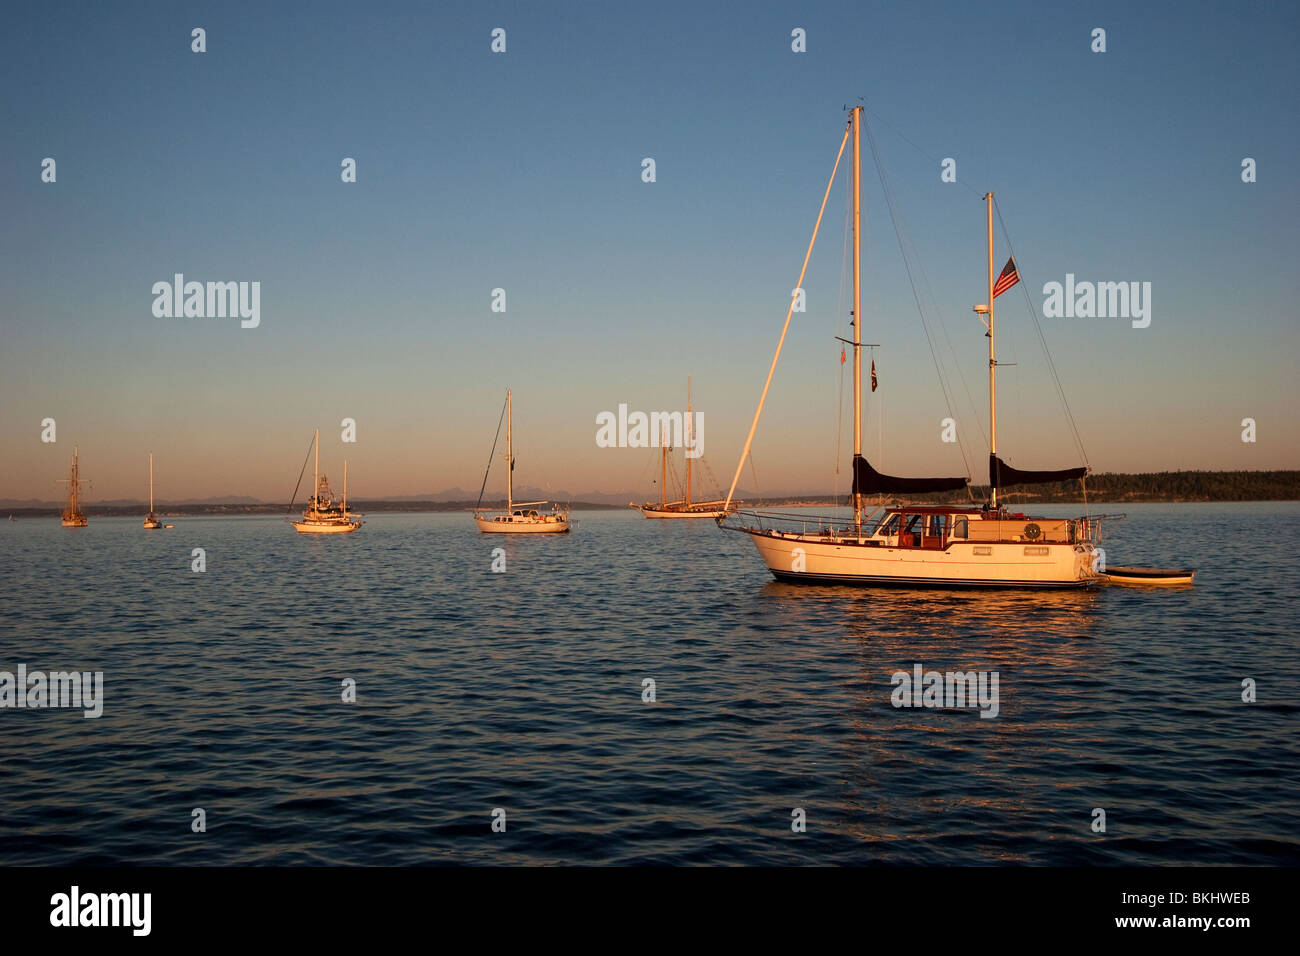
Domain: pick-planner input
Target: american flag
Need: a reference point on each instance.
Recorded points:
(873, 375)
(1008, 278)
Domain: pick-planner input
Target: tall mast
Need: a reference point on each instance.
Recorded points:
(75, 485)
(345, 486)
(315, 494)
(151, 484)
(993, 363)
(687, 450)
(663, 466)
(510, 460)
(856, 121)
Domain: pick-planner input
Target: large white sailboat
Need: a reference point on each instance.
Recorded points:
(920, 544)
(684, 507)
(520, 517)
(322, 515)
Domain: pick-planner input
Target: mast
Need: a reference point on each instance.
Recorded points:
(510, 460)
(687, 449)
(150, 484)
(74, 486)
(663, 466)
(315, 495)
(345, 486)
(856, 121)
(993, 364)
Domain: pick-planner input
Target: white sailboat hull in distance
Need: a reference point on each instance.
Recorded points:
(150, 523)
(521, 524)
(810, 558)
(678, 509)
(326, 527)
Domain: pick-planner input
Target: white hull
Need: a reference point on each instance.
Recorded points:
(514, 524)
(696, 511)
(151, 523)
(326, 527)
(74, 522)
(961, 564)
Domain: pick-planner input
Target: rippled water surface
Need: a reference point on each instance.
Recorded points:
(523, 691)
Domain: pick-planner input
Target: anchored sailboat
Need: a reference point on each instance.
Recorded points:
(151, 522)
(920, 544)
(684, 508)
(520, 517)
(322, 515)
(73, 517)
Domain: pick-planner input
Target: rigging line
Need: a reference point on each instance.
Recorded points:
(300, 474)
(943, 325)
(919, 149)
(491, 456)
(889, 202)
(789, 312)
(1042, 340)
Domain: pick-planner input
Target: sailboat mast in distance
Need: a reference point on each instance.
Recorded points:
(151, 522)
(510, 461)
(72, 514)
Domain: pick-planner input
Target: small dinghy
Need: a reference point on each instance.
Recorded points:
(1148, 577)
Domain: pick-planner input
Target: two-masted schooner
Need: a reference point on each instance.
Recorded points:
(920, 544)
(684, 507)
(73, 516)
(520, 517)
(151, 522)
(322, 515)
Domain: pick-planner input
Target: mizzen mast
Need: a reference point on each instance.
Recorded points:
(993, 362)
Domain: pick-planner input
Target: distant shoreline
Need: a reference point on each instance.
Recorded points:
(1170, 487)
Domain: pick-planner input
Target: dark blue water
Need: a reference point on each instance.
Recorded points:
(523, 691)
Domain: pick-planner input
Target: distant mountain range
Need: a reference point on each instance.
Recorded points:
(1109, 487)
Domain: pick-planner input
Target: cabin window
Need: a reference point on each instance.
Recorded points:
(960, 528)
(937, 523)
(912, 528)
(890, 527)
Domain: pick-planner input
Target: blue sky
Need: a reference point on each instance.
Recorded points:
(522, 171)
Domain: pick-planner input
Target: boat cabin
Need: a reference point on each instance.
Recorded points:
(932, 527)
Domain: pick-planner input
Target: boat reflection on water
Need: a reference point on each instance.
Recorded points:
(973, 781)
(900, 617)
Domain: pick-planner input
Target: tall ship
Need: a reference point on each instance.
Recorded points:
(73, 516)
(520, 517)
(897, 543)
(322, 515)
(684, 507)
(151, 522)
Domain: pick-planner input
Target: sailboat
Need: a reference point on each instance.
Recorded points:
(520, 517)
(322, 515)
(920, 544)
(151, 522)
(685, 507)
(73, 517)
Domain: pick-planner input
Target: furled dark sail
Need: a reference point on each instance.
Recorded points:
(868, 481)
(1001, 474)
